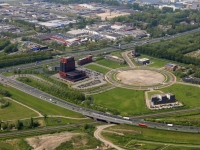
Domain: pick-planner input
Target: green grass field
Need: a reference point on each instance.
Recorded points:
(40, 105)
(111, 64)
(188, 95)
(126, 101)
(97, 68)
(118, 54)
(54, 121)
(157, 63)
(154, 135)
(16, 111)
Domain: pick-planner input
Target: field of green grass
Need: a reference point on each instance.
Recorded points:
(118, 54)
(188, 95)
(126, 101)
(111, 64)
(157, 63)
(16, 111)
(54, 121)
(97, 68)
(150, 135)
(40, 105)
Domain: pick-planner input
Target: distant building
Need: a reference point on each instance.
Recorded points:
(115, 58)
(172, 67)
(143, 61)
(163, 99)
(76, 32)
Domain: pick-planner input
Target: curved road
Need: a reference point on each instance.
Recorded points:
(97, 135)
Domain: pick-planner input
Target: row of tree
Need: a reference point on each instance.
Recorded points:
(22, 58)
(174, 49)
(25, 124)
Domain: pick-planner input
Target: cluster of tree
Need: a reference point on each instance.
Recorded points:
(5, 92)
(13, 35)
(22, 58)
(24, 24)
(128, 39)
(11, 48)
(25, 124)
(82, 22)
(174, 49)
(89, 128)
(197, 73)
(41, 19)
(4, 43)
(4, 103)
(169, 21)
(63, 93)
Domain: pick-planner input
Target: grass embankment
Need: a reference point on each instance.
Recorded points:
(111, 64)
(16, 111)
(126, 101)
(97, 68)
(131, 133)
(40, 105)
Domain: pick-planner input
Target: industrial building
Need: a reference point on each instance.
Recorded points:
(143, 61)
(115, 58)
(85, 60)
(163, 99)
(65, 40)
(68, 71)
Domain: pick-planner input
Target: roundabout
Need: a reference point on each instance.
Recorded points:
(140, 78)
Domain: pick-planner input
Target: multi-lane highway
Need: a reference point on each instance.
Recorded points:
(88, 112)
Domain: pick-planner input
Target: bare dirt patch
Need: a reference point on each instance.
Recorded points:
(111, 15)
(140, 77)
(50, 141)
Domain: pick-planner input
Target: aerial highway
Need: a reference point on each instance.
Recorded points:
(85, 111)
(96, 115)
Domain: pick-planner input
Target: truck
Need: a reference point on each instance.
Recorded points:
(170, 125)
(142, 125)
(127, 118)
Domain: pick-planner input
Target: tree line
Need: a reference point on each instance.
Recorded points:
(22, 58)
(63, 93)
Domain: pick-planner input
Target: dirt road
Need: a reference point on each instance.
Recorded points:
(97, 134)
